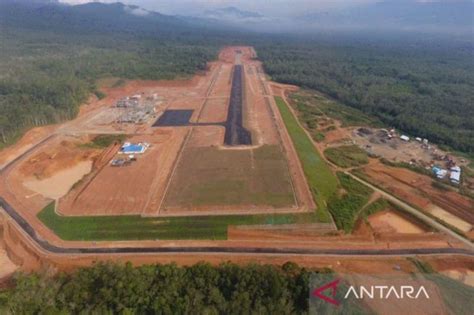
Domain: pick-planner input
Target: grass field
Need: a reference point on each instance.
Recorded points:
(113, 228)
(103, 141)
(347, 156)
(208, 176)
(323, 183)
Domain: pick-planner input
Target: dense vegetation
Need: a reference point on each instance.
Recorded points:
(103, 141)
(347, 156)
(422, 88)
(346, 209)
(314, 108)
(163, 289)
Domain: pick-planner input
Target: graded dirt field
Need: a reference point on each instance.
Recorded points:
(392, 222)
(128, 189)
(61, 182)
(57, 157)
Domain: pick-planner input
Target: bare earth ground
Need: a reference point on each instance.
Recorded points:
(130, 189)
(27, 141)
(417, 190)
(7, 267)
(391, 222)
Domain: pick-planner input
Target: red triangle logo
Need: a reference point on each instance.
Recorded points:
(330, 286)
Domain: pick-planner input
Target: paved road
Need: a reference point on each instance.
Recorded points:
(45, 245)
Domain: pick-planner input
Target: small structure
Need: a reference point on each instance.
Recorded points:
(418, 139)
(455, 175)
(119, 162)
(439, 172)
(405, 138)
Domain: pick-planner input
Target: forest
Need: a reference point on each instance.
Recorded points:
(52, 56)
(424, 88)
(108, 288)
(45, 76)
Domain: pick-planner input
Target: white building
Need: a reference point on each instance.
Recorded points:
(455, 175)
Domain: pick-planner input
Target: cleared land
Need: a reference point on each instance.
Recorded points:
(207, 178)
(417, 190)
(387, 221)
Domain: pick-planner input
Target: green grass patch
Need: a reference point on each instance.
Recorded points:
(345, 209)
(347, 156)
(103, 141)
(115, 228)
(322, 182)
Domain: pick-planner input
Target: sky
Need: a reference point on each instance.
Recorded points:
(272, 8)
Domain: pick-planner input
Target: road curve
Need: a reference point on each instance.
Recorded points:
(45, 245)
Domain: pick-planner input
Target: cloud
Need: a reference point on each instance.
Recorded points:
(137, 11)
(276, 8)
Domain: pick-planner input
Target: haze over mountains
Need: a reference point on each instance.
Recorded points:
(408, 15)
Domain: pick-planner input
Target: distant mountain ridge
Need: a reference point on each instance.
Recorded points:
(89, 17)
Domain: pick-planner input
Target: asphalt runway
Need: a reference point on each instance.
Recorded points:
(235, 133)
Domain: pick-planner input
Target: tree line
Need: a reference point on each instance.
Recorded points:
(108, 288)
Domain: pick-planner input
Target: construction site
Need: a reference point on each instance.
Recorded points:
(177, 155)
